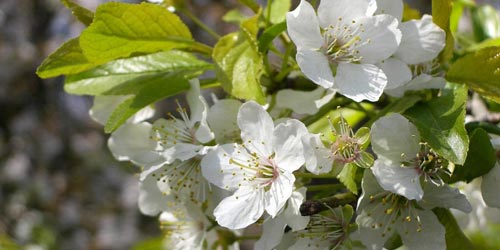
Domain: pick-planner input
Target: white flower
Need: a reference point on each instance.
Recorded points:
(259, 170)
(304, 102)
(412, 67)
(346, 37)
(382, 213)
(274, 228)
(325, 231)
(490, 187)
(402, 159)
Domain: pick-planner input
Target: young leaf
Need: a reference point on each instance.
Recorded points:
(127, 76)
(67, 59)
(441, 123)
(480, 70)
(441, 12)
(120, 29)
(269, 34)
(348, 177)
(166, 86)
(82, 14)
(239, 65)
(251, 4)
(455, 238)
(480, 160)
(278, 10)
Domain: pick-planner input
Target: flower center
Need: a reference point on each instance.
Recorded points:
(345, 149)
(390, 210)
(429, 165)
(342, 40)
(428, 68)
(333, 229)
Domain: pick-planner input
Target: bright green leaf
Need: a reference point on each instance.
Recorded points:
(410, 13)
(441, 123)
(239, 64)
(127, 76)
(152, 92)
(480, 160)
(480, 70)
(6, 243)
(121, 29)
(67, 59)
(82, 14)
(234, 16)
(254, 6)
(278, 10)
(455, 238)
(495, 42)
(441, 12)
(348, 177)
(269, 34)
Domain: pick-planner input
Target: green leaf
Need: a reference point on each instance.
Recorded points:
(234, 16)
(494, 42)
(67, 59)
(150, 244)
(348, 177)
(166, 86)
(441, 12)
(455, 238)
(6, 243)
(82, 14)
(441, 123)
(127, 76)
(121, 29)
(267, 37)
(278, 10)
(399, 106)
(481, 158)
(410, 13)
(480, 70)
(239, 65)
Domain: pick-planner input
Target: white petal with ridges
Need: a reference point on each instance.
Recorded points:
(304, 102)
(241, 209)
(222, 120)
(281, 189)
(390, 7)
(315, 66)
(217, 168)
(256, 127)
(383, 35)
(303, 27)
(444, 196)
(397, 72)
(394, 138)
(396, 179)
(287, 141)
(422, 41)
(330, 11)
(360, 81)
(432, 235)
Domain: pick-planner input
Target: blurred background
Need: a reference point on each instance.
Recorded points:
(59, 186)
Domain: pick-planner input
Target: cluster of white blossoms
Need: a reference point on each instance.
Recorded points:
(211, 171)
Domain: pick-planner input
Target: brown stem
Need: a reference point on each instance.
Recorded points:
(311, 207)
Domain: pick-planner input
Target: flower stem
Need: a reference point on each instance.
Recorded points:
(200, 23)
(324, 187)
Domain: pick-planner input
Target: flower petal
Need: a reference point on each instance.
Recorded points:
(287, 142)
(199, 109)
(381, 38)
(131, 142)
(304, 102)
(241, 209)
(397, 72)
(281, 189)
(360, 81)
(422, 41)
(422, 81)
(395, 138)
(318, 157)
(217, 168)
(272, 233)
(181, 151)
(105, 105)
(390, 7)
(151, 199)
(292, 215)
(432, 235)
(256, 128)
(444, 196)
(315, 66)
(490, 187)
(329, 11)
(400, 180)
(222, 119)
(303, 27)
